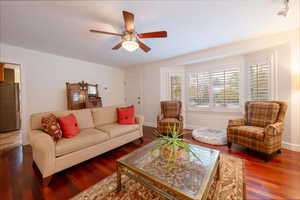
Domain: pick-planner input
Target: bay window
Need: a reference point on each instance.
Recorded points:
(214, 88)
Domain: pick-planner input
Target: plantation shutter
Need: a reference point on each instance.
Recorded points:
(258, 81)
(225, 88)
(175, 88)
(199, 89)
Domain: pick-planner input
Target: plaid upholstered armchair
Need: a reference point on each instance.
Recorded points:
(261, 129)
(170, 116)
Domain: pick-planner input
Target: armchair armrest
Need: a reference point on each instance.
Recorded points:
(43, 150)
(139, 119)
(181, 118)
(236, 122)
(159, 117)
(274, 129)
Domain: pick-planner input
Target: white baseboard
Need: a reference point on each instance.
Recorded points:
(190, 126)
(151, 124)
(291, 146)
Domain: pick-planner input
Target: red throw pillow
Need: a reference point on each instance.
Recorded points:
(69, 126)
(126, 115)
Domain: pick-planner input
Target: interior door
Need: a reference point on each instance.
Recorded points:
(133, 89)
(9, 107)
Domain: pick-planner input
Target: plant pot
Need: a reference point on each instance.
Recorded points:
(180, 154)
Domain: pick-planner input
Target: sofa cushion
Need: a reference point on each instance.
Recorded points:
(86, 138)
(104, 115)
(115, 130)
(169, 120)
(262, 113)
(248, 131)
(84, 118)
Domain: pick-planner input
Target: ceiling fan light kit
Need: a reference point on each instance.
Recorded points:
(285, 11)
(130, 45)
(129, 39)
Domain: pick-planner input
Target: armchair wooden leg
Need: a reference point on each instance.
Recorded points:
(33, 164)
(279, 151)
(141, 140)
(47, 180)
(268, 157)
(229, 144)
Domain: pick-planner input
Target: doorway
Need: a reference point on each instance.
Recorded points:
(10, 109)
(133, 90)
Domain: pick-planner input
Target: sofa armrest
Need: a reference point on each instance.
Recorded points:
(139, 119)
(236, 122)
(274, 129)
(43, 151)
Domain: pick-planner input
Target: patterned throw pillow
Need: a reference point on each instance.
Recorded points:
(51, 126)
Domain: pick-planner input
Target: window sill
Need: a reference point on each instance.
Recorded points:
(215, 110)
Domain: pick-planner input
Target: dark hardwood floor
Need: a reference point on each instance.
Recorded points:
(276, 179)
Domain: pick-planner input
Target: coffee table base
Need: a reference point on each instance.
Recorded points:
(156, 187)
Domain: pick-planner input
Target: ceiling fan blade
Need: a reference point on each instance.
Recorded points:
(118, 46)
(158, 34)
(143, 46)
(105, 32)
(128, 20)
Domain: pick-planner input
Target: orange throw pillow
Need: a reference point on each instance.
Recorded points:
(69, 126)
(126, 115)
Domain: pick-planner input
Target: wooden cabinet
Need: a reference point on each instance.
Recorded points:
(1, 72)
(82, 95)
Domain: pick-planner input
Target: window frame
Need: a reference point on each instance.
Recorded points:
(210, 68)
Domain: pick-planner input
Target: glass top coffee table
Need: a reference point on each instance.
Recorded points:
(187, 179)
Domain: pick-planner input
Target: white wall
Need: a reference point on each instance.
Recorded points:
(287, 46)
(44, 77)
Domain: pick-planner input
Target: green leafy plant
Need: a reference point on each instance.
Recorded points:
(173, 142)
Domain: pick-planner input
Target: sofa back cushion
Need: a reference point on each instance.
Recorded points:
(84, 118)
(36, 119)
(261, 113)
(105, 115)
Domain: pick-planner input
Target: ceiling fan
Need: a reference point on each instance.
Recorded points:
(129, 38)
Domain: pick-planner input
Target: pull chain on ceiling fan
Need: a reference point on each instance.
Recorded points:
(130, 39)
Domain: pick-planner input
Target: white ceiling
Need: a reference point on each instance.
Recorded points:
(61, 27)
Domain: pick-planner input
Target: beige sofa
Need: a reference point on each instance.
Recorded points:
(99, 133)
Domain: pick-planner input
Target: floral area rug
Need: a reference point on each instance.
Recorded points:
(230, 185)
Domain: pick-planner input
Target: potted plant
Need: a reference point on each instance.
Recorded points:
(173, 147)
